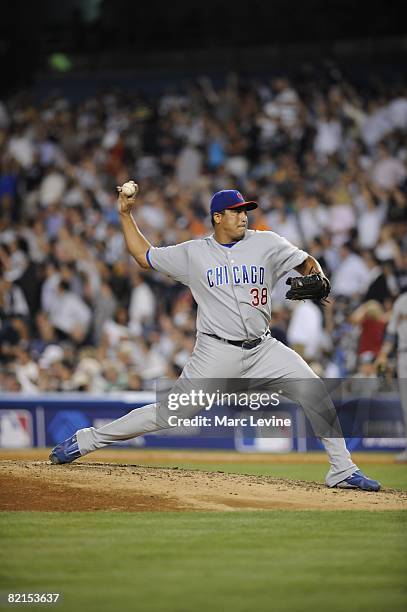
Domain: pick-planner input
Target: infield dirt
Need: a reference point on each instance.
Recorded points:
(38, 485)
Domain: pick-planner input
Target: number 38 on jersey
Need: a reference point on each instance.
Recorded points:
(259, 296)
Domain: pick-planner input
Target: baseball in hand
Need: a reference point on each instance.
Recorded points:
(129, 188)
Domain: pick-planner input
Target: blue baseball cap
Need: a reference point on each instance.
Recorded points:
(229, 198)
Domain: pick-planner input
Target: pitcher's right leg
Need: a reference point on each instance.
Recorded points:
(210, 361)
(136, 423)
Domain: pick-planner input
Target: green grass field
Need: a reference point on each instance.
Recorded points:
(194, 562)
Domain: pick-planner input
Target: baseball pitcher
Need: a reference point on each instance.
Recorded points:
(231, 275)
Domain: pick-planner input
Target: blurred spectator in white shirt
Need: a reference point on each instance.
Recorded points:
(69, 313)
(397, 112)
(328, 137)
(13, 259)
(387, 172)
(21, 148)
(52, 187)
(189, 164)
(115, 245)
(342, 218)
(387, 248)
(152, 212)
(27, 371)
(153, 365)
(313, 217)
(350, 277)
(104, 306)
(370, 220)
(12, 299)
(116, 329)
(376, 124)
(309, 338)
(49, 286)
(142, 303)
(282, 223)
(284, 106)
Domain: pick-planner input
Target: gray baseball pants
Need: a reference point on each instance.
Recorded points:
(402, 379)
(276, 365)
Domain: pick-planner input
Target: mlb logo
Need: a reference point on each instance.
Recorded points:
(16, 430)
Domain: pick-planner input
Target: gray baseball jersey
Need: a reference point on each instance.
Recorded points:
(231, 285)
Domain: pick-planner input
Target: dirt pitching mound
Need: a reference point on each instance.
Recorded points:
(38, 485)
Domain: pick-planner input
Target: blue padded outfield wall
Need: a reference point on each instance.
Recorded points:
(44, 420)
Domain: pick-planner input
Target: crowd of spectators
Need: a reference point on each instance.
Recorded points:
(327, 164)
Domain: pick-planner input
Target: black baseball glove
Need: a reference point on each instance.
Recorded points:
(312, 287)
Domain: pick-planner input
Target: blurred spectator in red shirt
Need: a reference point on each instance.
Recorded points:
(371, 318)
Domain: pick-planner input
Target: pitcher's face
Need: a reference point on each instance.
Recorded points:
(232, 223)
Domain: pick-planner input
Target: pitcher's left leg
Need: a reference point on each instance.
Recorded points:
(282, 368)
